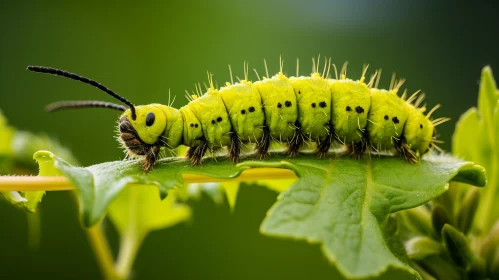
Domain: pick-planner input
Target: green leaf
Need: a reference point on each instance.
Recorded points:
(466, 213)
(138, 210)
(490, 251)
(343, 204)
(98, 185)
(457, 246)
(477, 139)
(231, 189)
(439, 218)
(135, 212)
(421, 247)
(6, 134)
(16, 157)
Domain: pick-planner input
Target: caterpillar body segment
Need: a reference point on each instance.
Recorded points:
(279, 104)
(351, 103)
(244, 104)
(210, 110)
(192, 129)
(313, 96)
(291, 110)
(418, 133)
(386, 119)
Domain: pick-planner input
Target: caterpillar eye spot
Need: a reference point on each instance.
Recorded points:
(313, 105)
(150, 119)
(219, 119)
(212, 121)
(323, 104)
(279, 105)
(386, 117)
(252, 109)
(348, 109)
(288, 103)
(395, 120)
(359, 110)
(192, 125)
(421, 126)
(196, 125)
(243, 111)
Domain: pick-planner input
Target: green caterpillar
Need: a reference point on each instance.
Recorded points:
(289, 110)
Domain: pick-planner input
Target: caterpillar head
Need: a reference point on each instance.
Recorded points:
(418, 130)
(140, 127)
(148, 124)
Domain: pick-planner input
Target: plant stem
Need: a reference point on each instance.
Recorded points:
(129, 247)
(34, 233)
(102, 252)
(131, 237)
(60, 183)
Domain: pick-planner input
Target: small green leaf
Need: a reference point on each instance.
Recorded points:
(417, 220)
(464, 137)
(135, 212)
(440, 268)
(6, 134)
(457, 246)
(487, 100)
(421, 247)
(439, 218)
(231, 189)
(490, 251)
(140, 209)
(466, 212)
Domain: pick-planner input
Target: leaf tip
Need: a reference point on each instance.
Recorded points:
(43, 155)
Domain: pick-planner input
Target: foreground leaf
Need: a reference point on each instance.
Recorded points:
(341, 203)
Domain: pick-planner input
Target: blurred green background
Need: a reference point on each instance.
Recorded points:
(141, 50)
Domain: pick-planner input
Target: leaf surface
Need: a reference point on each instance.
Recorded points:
(343, 204)
(340, 203)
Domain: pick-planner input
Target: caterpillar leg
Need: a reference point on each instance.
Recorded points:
(408, 154)
(295, 143)
(190, 152)
(262, 145)
(357, 149)
(324, 144)
(234, 147)
(195, 154)
(150, 158)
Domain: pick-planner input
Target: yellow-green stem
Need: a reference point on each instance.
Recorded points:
(131, 239)
(60, 183)
(102, 252)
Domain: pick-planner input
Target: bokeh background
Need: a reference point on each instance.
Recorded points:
(143, 49)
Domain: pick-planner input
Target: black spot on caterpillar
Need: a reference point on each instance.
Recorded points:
(316, 109)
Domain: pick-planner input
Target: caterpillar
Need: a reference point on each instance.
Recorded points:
(289, 110)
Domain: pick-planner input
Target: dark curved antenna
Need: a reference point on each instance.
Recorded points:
(83, 104)
(58, 72)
